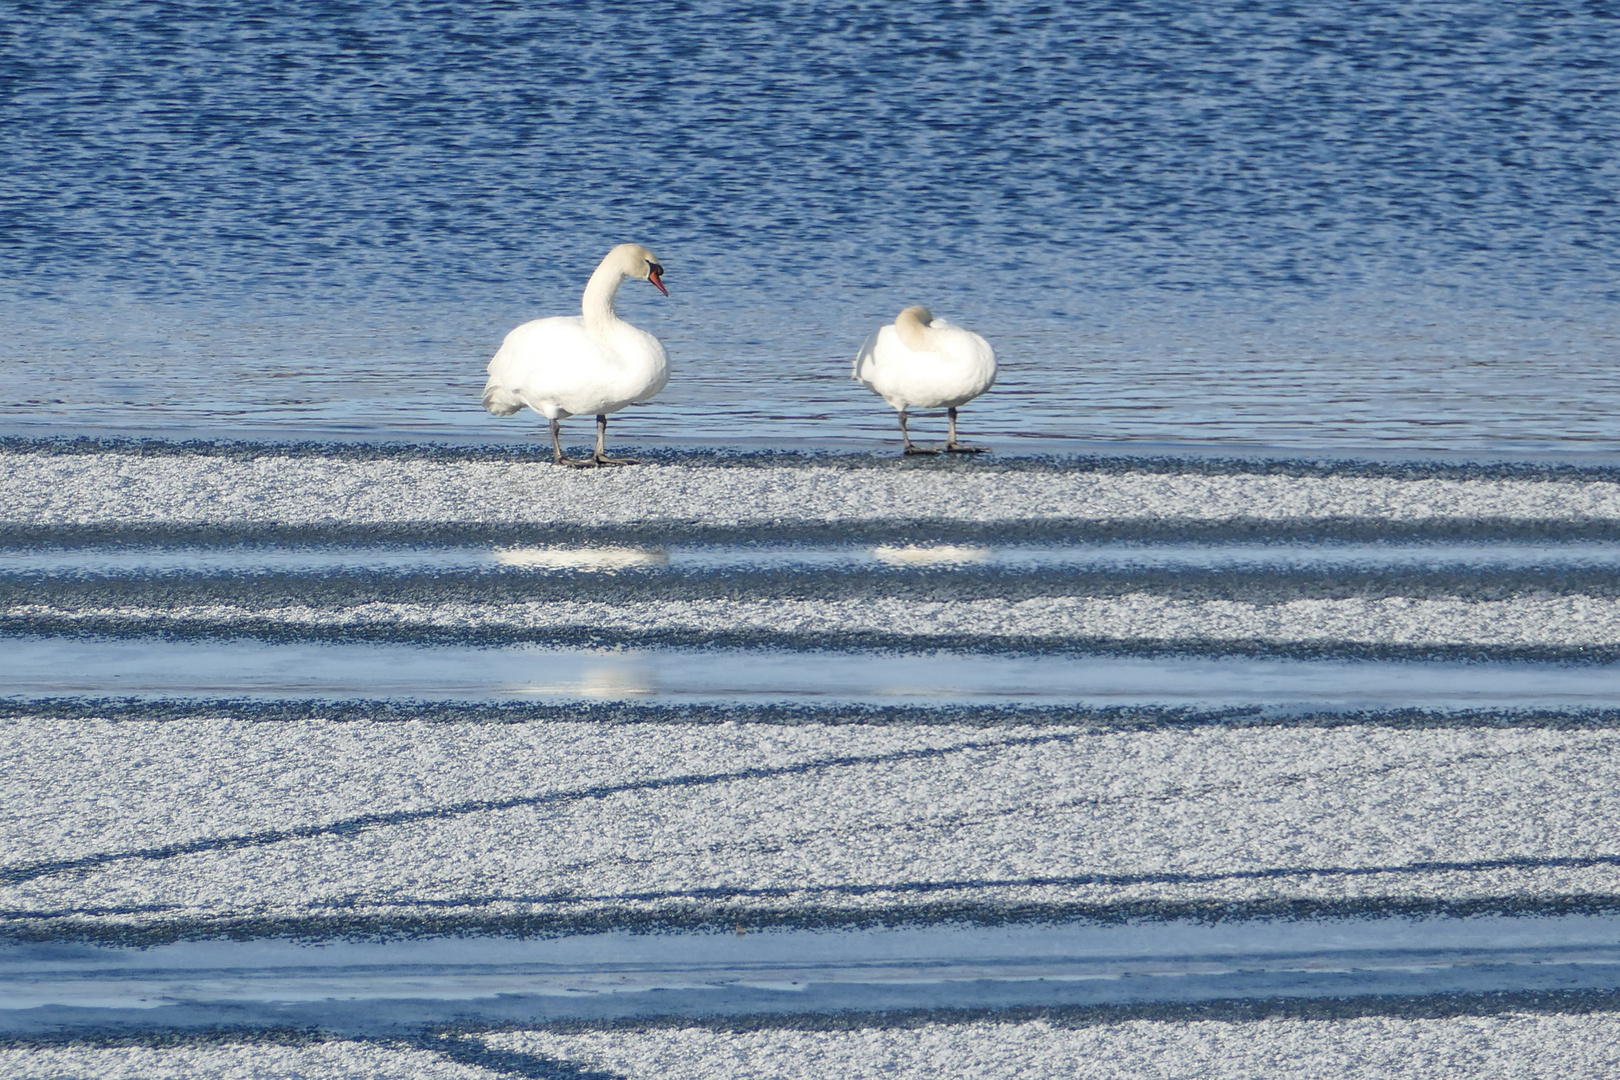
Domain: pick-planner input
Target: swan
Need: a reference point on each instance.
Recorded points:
(594, 362)
(926, 362)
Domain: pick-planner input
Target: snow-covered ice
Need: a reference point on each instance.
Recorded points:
(1374, 1048)
(215, 821)
(1523, 1046)
(219, 1059)
(180, 823)
(50, 488)
(1528, 622)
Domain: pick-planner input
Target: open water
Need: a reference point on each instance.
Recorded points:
(1296, 225)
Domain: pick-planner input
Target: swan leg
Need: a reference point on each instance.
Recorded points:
(556, 449)
(954, 447)
(905, 437)
(600, 457)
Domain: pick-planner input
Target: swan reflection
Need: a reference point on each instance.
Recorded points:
(617, 682)
(943, 554)
(605, 559)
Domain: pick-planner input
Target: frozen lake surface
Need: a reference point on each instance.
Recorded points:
(934, 737)
(449, 697)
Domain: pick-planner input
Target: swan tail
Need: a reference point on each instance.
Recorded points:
(500, 401)
(866, 356)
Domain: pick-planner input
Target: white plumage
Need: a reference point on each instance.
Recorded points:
(922, 362)
(574, 365)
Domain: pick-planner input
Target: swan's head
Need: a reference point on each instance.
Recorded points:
(912, 326)
(636, 261)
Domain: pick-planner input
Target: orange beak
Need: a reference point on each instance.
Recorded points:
(656, 276)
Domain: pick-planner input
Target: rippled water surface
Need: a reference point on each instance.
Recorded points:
(1305, 226)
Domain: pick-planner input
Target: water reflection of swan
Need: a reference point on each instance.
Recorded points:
(927, 363)
(617, 682)
(942, 555)
(595, 362)
(605, 559)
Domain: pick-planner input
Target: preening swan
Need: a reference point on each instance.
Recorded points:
(926, 362)
(581, 364)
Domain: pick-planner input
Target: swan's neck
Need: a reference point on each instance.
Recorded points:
(913, 327)
(598, 302)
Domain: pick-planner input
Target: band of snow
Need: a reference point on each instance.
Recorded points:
(48, 489)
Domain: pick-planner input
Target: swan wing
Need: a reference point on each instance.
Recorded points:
(543, 348)
(966, 348)
(547, 364)
(559, 368)
(641, 365)
(971, 362)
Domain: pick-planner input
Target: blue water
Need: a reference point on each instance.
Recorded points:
(1302, 225)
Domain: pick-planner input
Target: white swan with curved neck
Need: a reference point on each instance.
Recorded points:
(594, 362)
(927, 363)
